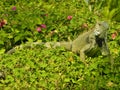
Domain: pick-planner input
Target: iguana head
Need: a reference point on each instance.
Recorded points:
(100, 28)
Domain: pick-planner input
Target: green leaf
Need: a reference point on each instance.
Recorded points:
(1, 42)
(67, 80)
(2, 51)
(17, 38)
(112, 13)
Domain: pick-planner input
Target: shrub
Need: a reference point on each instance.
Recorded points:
(57, 20)
(42, 68)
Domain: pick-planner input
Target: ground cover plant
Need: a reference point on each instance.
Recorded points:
(41, 68)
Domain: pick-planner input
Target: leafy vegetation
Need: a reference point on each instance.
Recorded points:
(56, 69)
(41, 68)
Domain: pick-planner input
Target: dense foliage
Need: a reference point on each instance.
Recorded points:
(24, 21)
(42, 68)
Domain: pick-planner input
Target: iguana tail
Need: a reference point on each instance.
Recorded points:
(66, 45)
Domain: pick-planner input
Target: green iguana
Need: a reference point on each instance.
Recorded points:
(84, 44)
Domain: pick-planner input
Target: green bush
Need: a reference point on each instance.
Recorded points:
(42, 68)
(56, 20)
(24, 17)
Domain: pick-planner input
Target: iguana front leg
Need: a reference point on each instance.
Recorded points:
(105, 50)
(87, 47)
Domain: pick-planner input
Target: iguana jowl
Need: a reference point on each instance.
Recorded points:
(92, 39)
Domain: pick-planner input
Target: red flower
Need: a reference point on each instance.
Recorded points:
(38, 29)
(40, 26)
(14, 8)
(69, 17)
(114, 35)
(43, 26)
(2, 23)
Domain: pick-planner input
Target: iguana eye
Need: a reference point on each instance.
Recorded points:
(100, 24)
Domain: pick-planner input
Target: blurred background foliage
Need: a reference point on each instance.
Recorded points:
(110, 9)
(24, 21)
